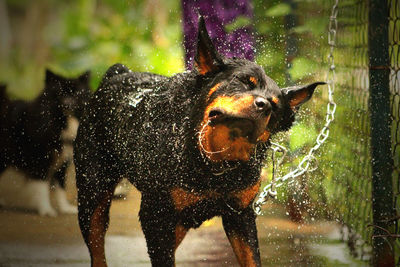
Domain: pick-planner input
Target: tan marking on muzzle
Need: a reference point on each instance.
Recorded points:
(230, 105)
(217, 142)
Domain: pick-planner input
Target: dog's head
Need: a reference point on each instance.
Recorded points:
(70, 93)
(243, 106)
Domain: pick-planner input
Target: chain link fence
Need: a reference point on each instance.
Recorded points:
(352, 175)
(349, 184)
(394, 55)
(346, 186)
(346, 161)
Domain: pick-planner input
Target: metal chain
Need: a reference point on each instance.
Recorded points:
(269, 190)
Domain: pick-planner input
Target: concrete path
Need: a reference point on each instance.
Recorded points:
(27, 239)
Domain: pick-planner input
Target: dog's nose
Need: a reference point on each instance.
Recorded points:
(262, 104)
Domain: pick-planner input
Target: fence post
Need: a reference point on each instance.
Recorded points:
(379, 106)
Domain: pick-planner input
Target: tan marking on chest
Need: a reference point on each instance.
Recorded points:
(183, 198)
(247, 195)
(264, 137)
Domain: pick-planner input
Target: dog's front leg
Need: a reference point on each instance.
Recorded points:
(242, 234)
(159, 222)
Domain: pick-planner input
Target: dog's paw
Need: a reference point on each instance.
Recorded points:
(39, 194)
(69, 209)
(63, 205)
(122, 190)
(47, 211)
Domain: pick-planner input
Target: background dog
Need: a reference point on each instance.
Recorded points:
(193, 144)
(36, 138)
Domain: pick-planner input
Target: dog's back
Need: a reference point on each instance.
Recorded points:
(123, 96)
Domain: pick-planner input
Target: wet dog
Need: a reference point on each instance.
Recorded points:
(36, 139)
(193, 144)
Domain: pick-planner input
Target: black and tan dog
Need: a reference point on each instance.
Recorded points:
(33, 138)
(193, 144)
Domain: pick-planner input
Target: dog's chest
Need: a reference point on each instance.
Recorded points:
(193, 208)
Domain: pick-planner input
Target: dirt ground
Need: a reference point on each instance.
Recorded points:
(27, 239)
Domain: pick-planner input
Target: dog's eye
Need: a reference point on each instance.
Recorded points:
(274, 102)
(250, 81)
(253, 81)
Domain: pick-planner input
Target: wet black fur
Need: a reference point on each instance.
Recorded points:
(30, 130)
(155, 145)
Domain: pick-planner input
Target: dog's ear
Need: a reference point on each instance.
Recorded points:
(207, 58)
(51, 76)
(298, 95)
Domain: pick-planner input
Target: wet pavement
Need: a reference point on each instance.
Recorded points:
(27, 239)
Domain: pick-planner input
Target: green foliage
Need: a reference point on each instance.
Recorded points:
(270, 44)
(239, 22)
(302, 68)
(315, 25)
(301, 135)
(80, 35)
(122, 32)
(278, 10)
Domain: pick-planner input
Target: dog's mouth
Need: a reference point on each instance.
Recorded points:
(240, 125)
(231, 136)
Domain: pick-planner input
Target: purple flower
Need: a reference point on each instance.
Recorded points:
(217, 14)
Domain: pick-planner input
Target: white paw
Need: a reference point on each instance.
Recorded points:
(39, 192)
(47, 211)
(122, 189)
(69, 209)
(63, 205)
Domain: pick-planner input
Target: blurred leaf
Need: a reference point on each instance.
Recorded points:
(301, 135)
(316, 26)
(263, 27)
(302, 67)
(238, 23)
(278, 10)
